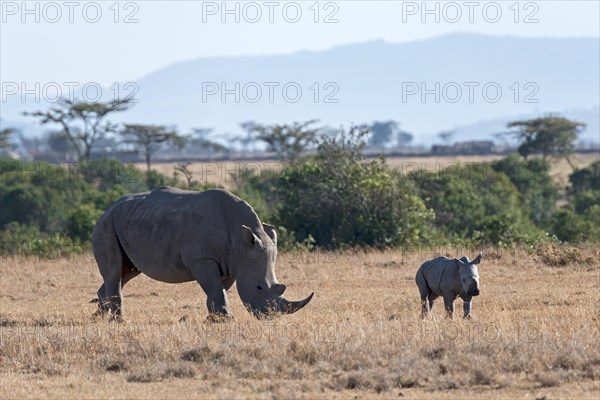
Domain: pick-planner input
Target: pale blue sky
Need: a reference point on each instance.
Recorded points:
(168, 32)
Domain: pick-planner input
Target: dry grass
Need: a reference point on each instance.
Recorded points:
(225, 173)
(534, 334)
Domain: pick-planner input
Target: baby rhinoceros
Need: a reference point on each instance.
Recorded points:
(449, 278)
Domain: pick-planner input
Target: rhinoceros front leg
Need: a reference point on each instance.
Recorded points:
(449, 304)
(208, 275)
(467, 307)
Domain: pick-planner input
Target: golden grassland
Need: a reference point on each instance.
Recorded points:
(535, 332)
(225, 173)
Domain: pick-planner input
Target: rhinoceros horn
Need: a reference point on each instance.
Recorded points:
(290, 307)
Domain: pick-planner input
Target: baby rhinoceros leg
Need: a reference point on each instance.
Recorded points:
(424, 308)
(449, 304)
(427, 295)
(467, 309)
(428, 303)
(431, 298)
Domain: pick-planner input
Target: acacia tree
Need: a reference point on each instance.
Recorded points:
(83, 123)
(148, 139)
(447, 136)
(199, 142)
(249, 127)
(288, 141)
(183, 169)
(382, 133)
(5, 134)
(403, 138)
(551, 135)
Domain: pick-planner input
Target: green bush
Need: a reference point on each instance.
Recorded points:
(532, 179)
(109, 173)
(260, 191)
(46, 204)
(26, 240)
(584, 201)
(474, 204)
(81, 221)
(40, 194)
(585, 179)
(341, 199)
(579, 220)
(568, 226)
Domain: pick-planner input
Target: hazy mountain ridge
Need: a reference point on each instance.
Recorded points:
(368, 79)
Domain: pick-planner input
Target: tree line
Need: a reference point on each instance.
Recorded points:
(332, 196)
(82, 125)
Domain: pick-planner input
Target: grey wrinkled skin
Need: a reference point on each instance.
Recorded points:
(173, 236)
(449, 278)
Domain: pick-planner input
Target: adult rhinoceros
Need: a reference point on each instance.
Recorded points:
(176, 236)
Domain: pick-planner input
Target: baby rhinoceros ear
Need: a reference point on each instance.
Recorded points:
(478, 259)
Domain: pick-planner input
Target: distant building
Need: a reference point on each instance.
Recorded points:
(473, 147)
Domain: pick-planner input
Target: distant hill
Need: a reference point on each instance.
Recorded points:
(374, 81)
(590, 116)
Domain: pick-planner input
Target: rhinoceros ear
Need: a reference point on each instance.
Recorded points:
(249, 237)
(271, 231)
(478, 259)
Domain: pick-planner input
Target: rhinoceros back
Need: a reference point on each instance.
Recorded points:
(441, 274)
(158, 229)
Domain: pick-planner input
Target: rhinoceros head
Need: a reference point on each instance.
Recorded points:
(256, 282)
(469, 275)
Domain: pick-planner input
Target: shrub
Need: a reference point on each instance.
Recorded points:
(341, 199)
(579, 220)
(46, 204)
(109, 173)
(155, 179)
(569, 226)
(585, 179)
(583, 202)
(470, 204)
(25, 240)
(532, 179)
(80, 222)
(260, 191)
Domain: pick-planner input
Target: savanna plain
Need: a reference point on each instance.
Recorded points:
(534, 332)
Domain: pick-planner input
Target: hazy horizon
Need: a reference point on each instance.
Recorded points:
(150, 35)
(111, 44)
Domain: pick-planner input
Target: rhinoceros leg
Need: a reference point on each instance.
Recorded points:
(432, 296)
(208, 275)
(114, 266)
(103, 303)
(228, 282)
(449, 304)
(467, 307)
(427, 295)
